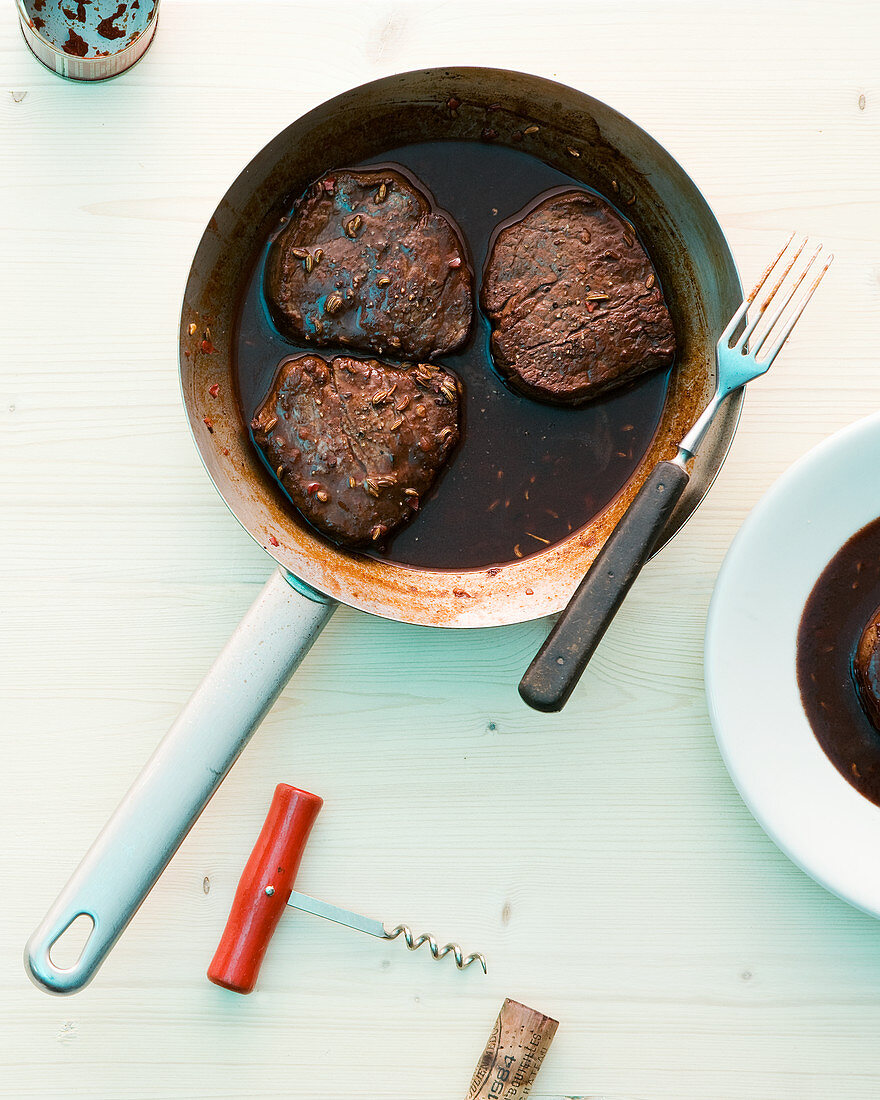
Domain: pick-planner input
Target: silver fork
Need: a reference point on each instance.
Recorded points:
(553, 674)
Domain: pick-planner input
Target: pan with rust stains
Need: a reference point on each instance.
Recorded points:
(697, 272)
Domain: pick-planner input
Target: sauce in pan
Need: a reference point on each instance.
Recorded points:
(526, 474)
(842, 602)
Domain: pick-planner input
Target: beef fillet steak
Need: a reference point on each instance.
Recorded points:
(867, 668)
(574, 303)
(365, 262)
(357, 443)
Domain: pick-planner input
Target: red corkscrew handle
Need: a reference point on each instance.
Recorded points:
(272, 867)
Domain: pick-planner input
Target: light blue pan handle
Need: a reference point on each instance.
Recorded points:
(163, 804)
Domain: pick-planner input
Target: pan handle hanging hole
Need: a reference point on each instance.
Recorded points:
(67, 948)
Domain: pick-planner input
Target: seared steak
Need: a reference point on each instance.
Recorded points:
(574, 302)
(357, 443)
(867, 668)
(366, 263)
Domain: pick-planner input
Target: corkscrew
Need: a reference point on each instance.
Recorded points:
(414, 943)
(266, 888)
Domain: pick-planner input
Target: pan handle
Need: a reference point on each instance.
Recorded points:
(561, 660)
(176, 784)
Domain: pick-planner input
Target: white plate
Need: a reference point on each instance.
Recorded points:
(792, 788)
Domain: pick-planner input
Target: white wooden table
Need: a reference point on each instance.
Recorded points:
(601, 858)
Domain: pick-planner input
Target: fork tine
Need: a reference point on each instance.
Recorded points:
(790, 295)
(741, 312)
(725, 336)
(781, 278)
(786, 332)
(764, 277)
(759, 313)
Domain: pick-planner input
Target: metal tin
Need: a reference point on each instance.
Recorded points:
(88, 39)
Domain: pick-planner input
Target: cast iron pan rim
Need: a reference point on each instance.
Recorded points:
(701, 481)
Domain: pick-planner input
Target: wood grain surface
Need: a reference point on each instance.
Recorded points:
(600, 858)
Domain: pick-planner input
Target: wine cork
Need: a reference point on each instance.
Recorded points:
(513, 1055)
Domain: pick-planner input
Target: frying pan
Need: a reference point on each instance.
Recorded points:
(699, 277)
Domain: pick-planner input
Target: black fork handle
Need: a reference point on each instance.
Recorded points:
(561, 660)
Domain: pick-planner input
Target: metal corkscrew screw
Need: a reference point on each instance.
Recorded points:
(266, 888)
(437, 952)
